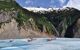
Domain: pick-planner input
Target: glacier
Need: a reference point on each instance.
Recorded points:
(41, 44)
(73, 3)
(64, 3)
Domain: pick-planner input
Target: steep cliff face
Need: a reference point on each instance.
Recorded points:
(77, 29)
(10, 30)
(13, 27)
(17, 22)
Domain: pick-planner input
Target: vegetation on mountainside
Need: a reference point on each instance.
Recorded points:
(8, 5)
(54, 22)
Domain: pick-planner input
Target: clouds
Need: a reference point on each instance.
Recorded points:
(58, 3)
(62, 1)
(37, 3)
(43, 3)
(28, 2)
(74, 4)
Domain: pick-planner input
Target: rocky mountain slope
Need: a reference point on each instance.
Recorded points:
(17, 22)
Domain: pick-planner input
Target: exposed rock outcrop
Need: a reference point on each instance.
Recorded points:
(10, 30)
(17, 22)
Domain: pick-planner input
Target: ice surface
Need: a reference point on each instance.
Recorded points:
(40, 44)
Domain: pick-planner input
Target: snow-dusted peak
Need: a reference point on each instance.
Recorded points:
(74, 4)
(35, 9)
(70, 3)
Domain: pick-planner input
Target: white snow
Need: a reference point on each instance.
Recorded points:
(34, 9)
(41, 9)
(74, 4)
(71, 3)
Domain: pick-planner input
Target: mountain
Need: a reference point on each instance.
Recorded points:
(35, 9)
(74, 4)
(51, 3)
(17, 22)
(63, 3)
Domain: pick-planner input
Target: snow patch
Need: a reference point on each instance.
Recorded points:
(74, 4)
(41, 9)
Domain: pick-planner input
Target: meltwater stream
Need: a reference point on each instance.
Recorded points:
(41, 44)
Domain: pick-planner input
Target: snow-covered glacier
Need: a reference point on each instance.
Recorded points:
(41, 44)
(51, 3)
(55, 4)
(73, 3)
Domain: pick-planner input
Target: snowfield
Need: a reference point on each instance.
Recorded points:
(73, 3)
(63, 3)
(41, 44)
